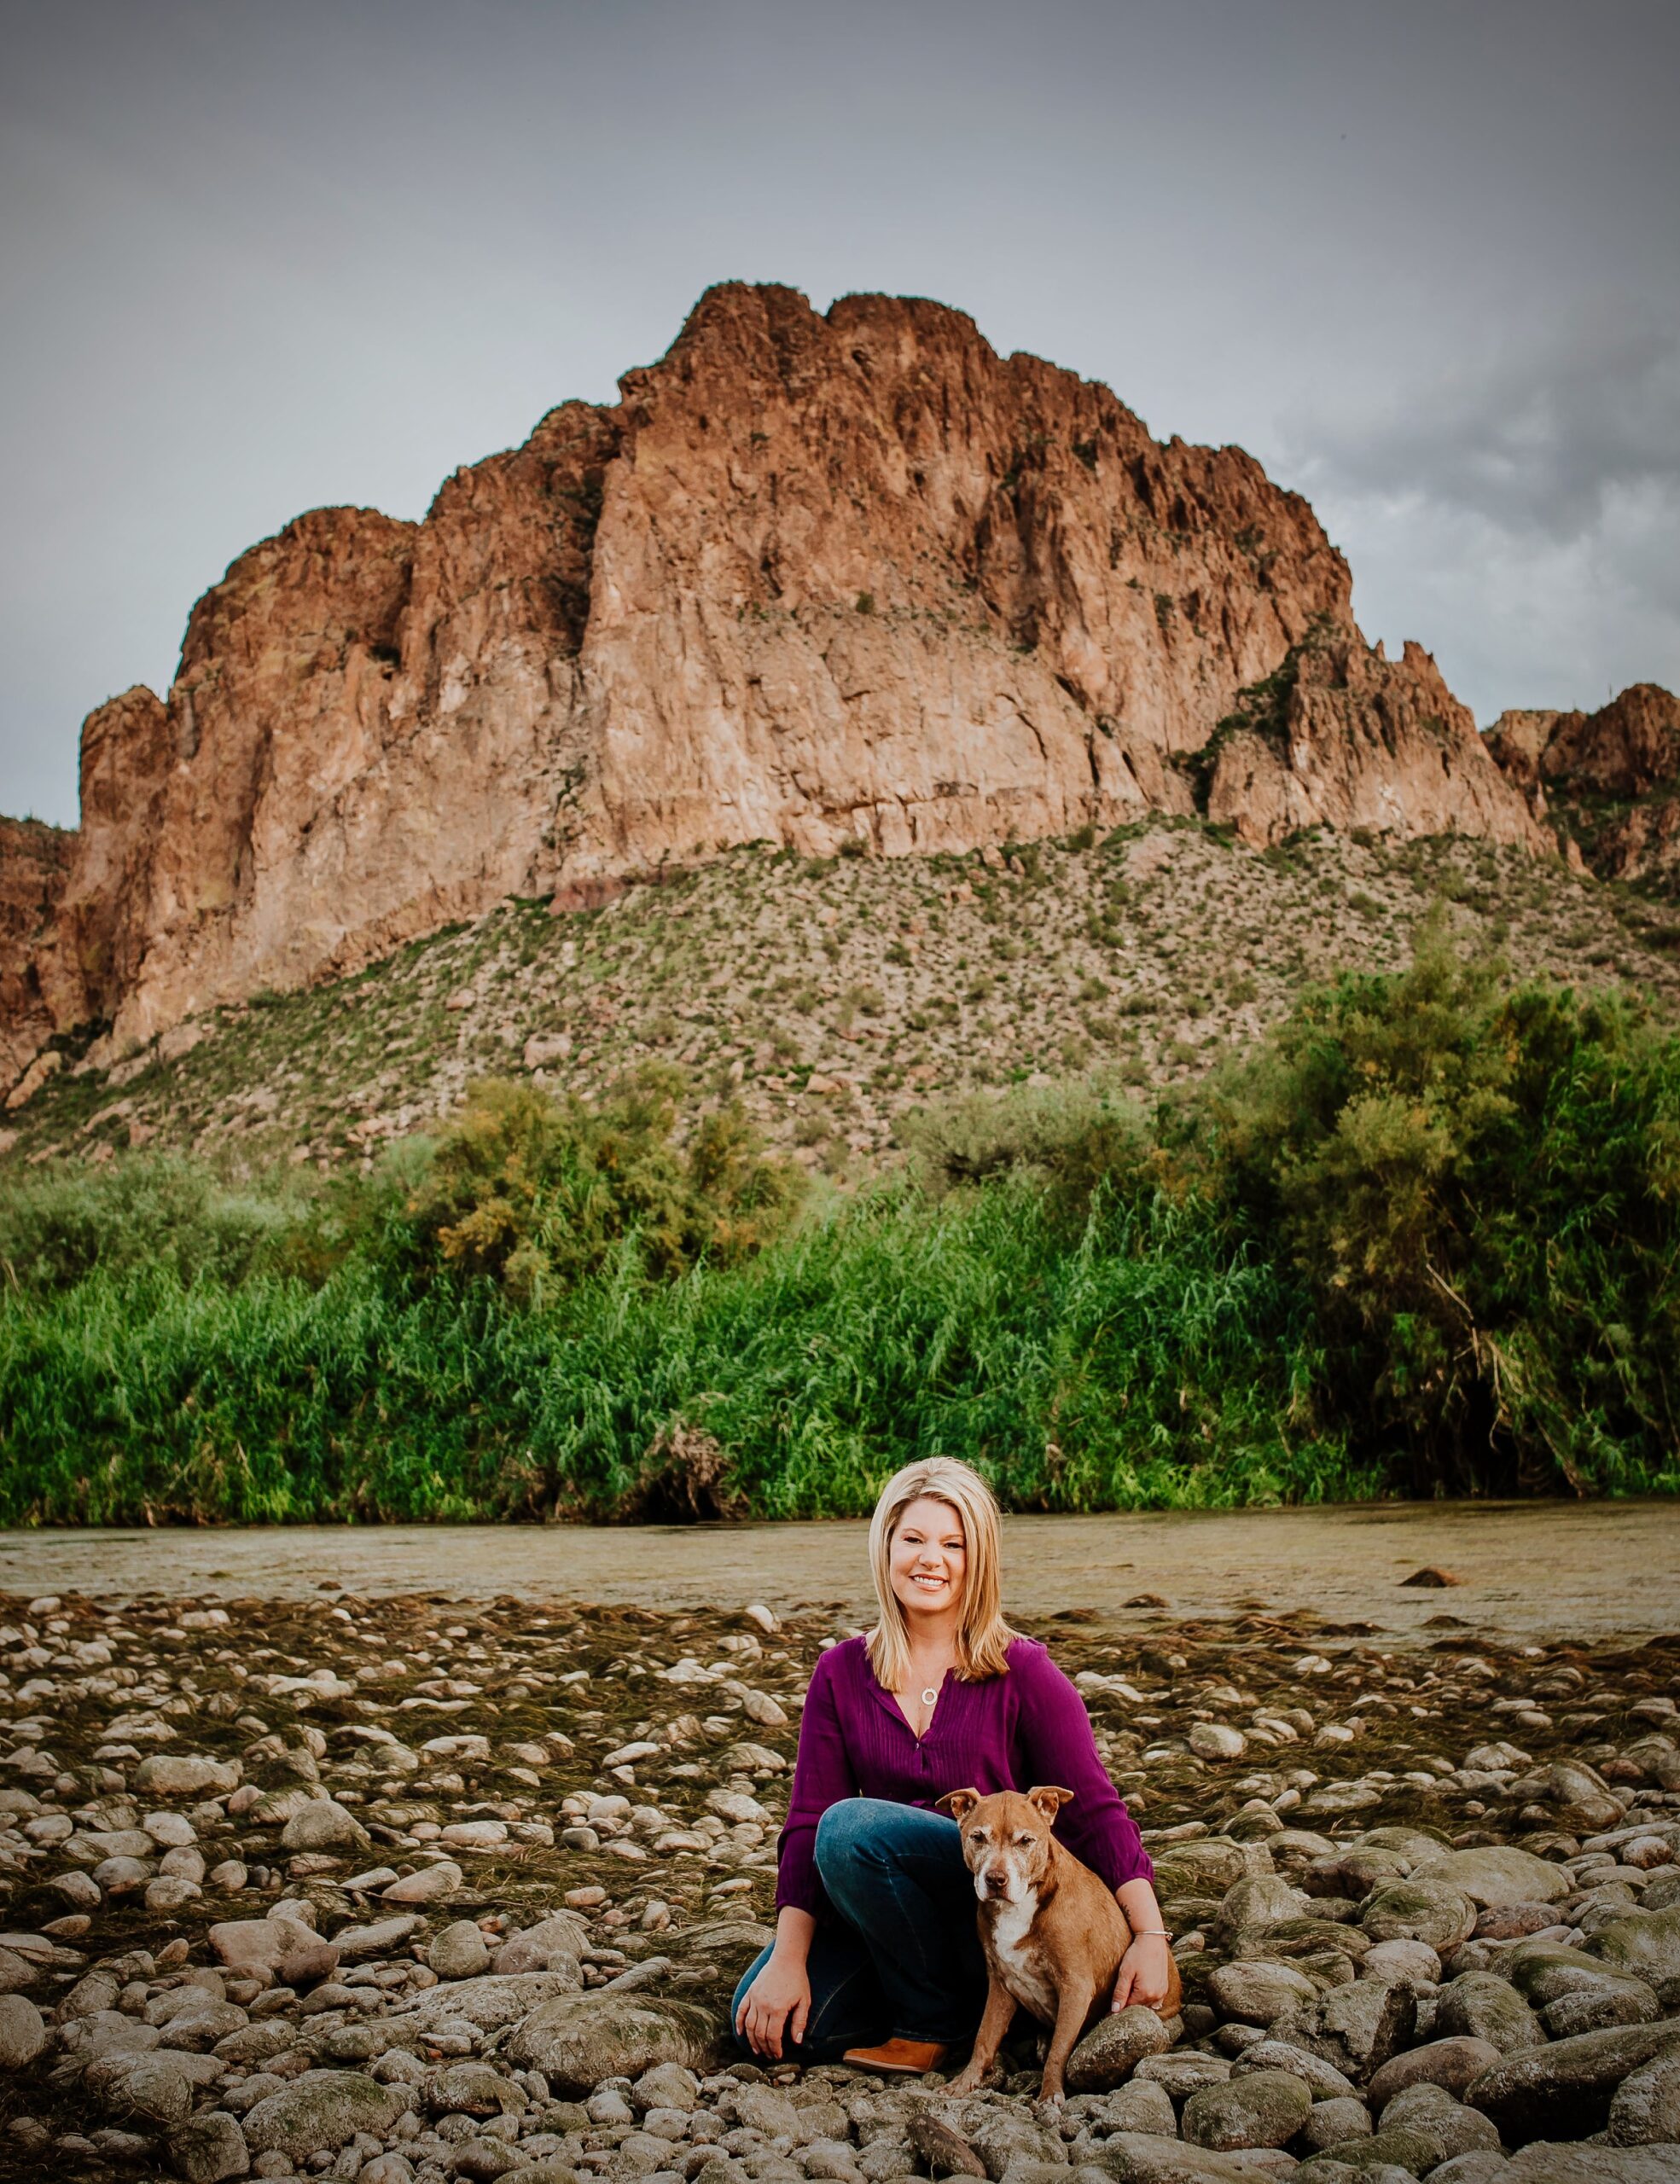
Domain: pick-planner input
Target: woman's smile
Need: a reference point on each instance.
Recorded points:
(927, 1557)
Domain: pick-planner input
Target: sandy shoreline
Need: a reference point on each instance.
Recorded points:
(1587, 1570)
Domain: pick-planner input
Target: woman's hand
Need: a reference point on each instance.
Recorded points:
(779, 1997)
(1144, 1972)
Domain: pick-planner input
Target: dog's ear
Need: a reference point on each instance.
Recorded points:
(1050, 1802)
(959, 1804)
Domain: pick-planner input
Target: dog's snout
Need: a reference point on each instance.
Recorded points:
(997, 1881)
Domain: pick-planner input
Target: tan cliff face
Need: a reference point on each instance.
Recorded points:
(35, 863)
(1355, 740)
(814, 580)
(1610, 780)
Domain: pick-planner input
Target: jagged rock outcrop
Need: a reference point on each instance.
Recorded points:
(1609, 780)
(1352, 739)
(814, 579)
(34, 865)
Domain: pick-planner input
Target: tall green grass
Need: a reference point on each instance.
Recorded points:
(1425, 1239)
(1141, 1363)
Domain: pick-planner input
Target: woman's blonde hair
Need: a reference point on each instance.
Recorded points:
(982, 1636)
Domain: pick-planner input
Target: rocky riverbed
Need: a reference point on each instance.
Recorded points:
(406, 1890)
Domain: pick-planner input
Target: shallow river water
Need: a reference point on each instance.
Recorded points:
(1532, 1569)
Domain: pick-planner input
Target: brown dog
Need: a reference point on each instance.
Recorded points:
(1052, 1933)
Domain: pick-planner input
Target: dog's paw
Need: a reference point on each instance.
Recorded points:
(966, 2081)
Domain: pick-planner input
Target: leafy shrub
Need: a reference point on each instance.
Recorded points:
(1480, 1188)
(1076, 1138)
(536, 1193)
(59, 1224)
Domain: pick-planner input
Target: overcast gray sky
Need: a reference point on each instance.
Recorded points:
(1420, 257)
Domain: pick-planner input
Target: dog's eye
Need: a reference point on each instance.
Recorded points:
(1025, 1839)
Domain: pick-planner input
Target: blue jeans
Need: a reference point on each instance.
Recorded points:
(902, 1957)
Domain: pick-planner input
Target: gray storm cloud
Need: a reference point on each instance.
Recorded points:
(1545, 439)
(1521, 510)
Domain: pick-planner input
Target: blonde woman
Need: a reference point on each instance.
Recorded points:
(876, 1959)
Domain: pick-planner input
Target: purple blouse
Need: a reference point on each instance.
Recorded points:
(1007, 1732)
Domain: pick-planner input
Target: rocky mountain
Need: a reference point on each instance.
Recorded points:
(34, 864)
(1609, 781)
(833, 581)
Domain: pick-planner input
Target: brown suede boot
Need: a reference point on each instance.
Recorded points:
(906, 2059)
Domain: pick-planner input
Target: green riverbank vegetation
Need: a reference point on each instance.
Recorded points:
(1423, 1237)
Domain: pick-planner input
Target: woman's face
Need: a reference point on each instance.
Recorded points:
(929, 1558)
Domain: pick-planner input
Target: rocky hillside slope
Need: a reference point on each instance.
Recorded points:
(1609, 781)
(836, 997)
(820, 581)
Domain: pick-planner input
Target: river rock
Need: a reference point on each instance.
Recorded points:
(496, 2000)
(1424, 1910)
(767, 2109)
(1581, 1799)
(473, 2089)
(1495, 1875)
(118, 1877)
(381, 1937)
(324, 1824)
(665, 2085)
(1393, 1960)
(1207, 1868)
(1481, 2006)
(1261, 2108)
(1645, 1944)
(170, 1892)
(1594, 2164)
(1255, 1903)
(560, 1938)
(1182, 2073)
(108, 2032)
(1008, 2142)
(189, 1774)
(578, 2040)
(318, 2112)
(1216, 1740)
(23, 2032)
(1432, 2108)
(147, 2088)
(1140, 2157)
(208, 2149)
(15, 1972)
(1453, 2065)
(1335, 2122)
(1547, 1972)
(1139, 2106)
(430, 1884)
(1564, 2090)
(1358, 2027)
(1258, 1993)
(1646, 2105)
(459, 1952)
(1106, 2055)
(293, 1952)
(1323, 2080)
